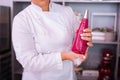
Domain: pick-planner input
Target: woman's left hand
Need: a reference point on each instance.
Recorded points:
(87, 35)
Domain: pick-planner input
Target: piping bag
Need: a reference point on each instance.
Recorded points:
(79, 45)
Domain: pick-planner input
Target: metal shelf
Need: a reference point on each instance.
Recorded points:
(88, 1)
(21, 0)
(105, 42)
(75, 1)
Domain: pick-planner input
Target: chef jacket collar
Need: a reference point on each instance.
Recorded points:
(39, 8)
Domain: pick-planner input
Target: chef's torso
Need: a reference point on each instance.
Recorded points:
(52, 32)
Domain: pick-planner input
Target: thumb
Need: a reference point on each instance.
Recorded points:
(86, 53)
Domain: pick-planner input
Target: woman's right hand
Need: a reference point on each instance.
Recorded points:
(72, 56)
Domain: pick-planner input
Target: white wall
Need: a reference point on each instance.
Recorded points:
(5, 2)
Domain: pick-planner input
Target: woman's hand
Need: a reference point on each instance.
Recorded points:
(87, 35)
(72, 56)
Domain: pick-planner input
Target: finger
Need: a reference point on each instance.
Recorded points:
(82, 56)
(75, 30)
(90, 44)
(87, 30)
(86, 34)
(89, 39)
(75, 55)
(86, 53)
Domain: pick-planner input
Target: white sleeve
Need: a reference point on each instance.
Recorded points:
(26, 54)
(73, 18)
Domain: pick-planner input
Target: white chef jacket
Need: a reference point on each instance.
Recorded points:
(38, 39)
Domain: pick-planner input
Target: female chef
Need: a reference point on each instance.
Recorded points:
(42, 36)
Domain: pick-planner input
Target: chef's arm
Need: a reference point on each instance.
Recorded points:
(26, 53)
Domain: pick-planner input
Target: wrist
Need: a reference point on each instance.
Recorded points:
(63, 56)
